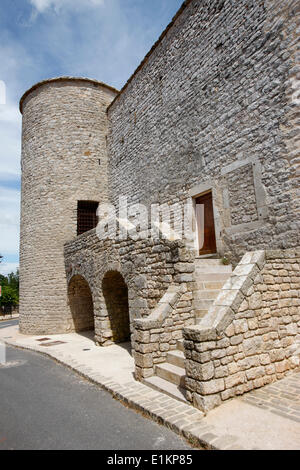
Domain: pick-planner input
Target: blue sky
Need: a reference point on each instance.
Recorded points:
(102, 39)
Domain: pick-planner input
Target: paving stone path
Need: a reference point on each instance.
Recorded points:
(281, 398)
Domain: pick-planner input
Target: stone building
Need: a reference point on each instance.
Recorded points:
(206, 125)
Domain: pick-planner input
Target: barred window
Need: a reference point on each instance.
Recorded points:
(86, 216)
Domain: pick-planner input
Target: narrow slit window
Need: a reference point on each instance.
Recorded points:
(86, 216)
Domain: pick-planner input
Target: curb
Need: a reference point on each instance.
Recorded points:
(9, 317)
(183, 419)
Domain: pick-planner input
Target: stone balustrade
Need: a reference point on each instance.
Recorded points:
(158, 334)
(250, 337)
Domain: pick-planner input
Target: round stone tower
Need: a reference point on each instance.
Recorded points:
(64, 160)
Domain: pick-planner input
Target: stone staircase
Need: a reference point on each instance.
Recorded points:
(170, 375)
(210, 276)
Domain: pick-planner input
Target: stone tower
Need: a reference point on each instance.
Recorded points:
(64, 160)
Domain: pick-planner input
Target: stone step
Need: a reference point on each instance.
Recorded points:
(202, 285)
(171, 373)
(212, 277)
(213, 285)
(170, 389)
(203, 304)
(213, 269)
(176, 358)
(208, 262)
(206, 294)
(200, 313)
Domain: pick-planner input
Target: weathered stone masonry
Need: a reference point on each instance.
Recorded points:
(148, 268)
(250, 337)
(215, 103)
(64, 137)
(213, 107)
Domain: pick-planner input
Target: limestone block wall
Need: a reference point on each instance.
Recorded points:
(251, 336)
(81, 304)
(148, 268)
(115, 293)
(215, 103)
(158, 334)
(64, 160)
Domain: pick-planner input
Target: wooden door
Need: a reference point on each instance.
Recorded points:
(206, 224)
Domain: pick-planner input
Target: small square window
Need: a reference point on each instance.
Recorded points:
(86, 216)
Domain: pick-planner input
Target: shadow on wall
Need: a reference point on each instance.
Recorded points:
(81, 304)
(115, 294)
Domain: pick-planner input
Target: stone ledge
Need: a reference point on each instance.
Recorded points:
(205, 392)
(162, 310)
(221, 314)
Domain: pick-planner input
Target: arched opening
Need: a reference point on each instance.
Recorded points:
(81, 304)
(115, 294)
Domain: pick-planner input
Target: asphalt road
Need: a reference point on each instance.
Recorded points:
(44, 405)
(5, 323)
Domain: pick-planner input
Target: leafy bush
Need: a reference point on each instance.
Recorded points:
(9, 297)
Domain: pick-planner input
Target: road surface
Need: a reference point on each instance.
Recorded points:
(44, 405)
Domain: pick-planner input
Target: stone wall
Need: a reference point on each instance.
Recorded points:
(64, 160)
(81, 304)
(212, 107)
(148, 268)
(158, 334)
(215, 102)
(115, 293)
(251, 336)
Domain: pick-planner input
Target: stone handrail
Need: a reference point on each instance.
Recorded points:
(221, 314)
(163, 309)
(249, 337)
(157, 334)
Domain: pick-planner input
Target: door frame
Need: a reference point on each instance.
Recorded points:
(201, 221)
(195, 193)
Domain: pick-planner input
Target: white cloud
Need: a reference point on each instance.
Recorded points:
(10, 137)
(9, 207)
(43, 5)
(10, 113)
(9, 221)
(14, 60)
(7, 268)
(2, 92)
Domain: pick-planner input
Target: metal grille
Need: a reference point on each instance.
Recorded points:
(86, 216)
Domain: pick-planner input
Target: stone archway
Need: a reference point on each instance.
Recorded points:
(81, 304)
(115, 293)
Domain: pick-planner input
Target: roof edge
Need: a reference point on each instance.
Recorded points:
(63, 79)
(155, 45)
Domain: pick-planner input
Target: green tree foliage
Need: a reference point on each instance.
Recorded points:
(13, 280)
(9, 297)
(10, 289)
(3, 280)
